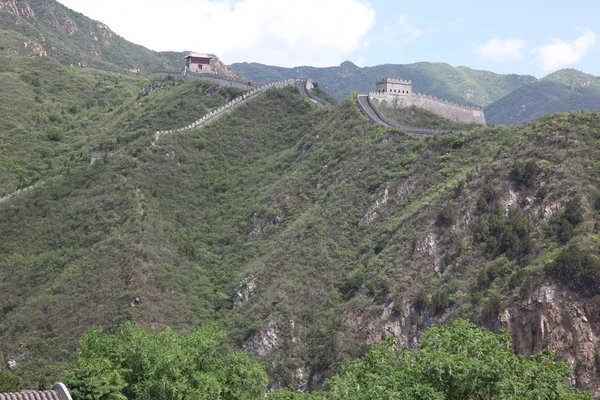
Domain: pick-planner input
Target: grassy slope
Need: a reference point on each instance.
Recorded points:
(286, 193)
(58, 115)
(461, 84)
(70, 38)
(551, 94)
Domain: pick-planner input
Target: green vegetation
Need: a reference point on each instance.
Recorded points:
(459, 361)
(525, 173)
(561, 91)
(137, 364)
(458, 84)
(508, 99)
(279, 192)
(57, 115)
(9, 383)
(280, 219)
(54, 31)
(317, 91)
(578, 268)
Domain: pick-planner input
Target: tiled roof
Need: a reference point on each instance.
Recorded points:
(199, 55)
(58, 392)
(31, 395)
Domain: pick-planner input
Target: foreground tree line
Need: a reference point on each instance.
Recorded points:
(459, 361)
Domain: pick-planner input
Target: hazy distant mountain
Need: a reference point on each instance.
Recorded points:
(564, 90)
(460, 84)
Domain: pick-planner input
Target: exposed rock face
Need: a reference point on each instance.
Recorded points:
(396, 192)
(552, 317)
(18, 7)
(247, 287)
(265, 341)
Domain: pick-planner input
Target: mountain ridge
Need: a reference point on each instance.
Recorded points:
(47, 28)
(465, 85)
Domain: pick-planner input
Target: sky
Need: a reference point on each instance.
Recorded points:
(534, 37)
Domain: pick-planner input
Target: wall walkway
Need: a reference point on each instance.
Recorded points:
(227, 107)
(303, 87)
(374, 115)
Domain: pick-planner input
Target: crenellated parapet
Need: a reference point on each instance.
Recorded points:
(394, 80)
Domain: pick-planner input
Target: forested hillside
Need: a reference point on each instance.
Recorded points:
(307, 232)
(561, 91)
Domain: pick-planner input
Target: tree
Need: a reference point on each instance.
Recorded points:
(137, 364)
(459, 361)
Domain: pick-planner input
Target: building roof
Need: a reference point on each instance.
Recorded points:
(198, 55)
(58, 392)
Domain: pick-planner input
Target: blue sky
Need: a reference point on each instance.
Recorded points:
(508, 36)
(457, 31)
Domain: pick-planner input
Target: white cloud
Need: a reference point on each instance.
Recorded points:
(560, 54)
(281, 32)
(408, 31)
(502, 49)
(400, 33)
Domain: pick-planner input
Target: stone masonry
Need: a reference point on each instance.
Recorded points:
(398, 93)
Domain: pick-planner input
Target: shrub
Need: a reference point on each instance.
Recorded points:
(54, 134)
(578, 269)
(525, 173)
(446, 216)
(566, 221)
(597, 201)
(138, 364)
(9, 382)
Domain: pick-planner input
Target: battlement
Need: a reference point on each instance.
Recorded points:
(394, 80)
(444, 108)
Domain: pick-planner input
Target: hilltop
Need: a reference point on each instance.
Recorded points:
(46, 28)
(508, 99)
(561, 91)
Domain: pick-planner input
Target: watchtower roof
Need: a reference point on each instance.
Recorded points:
(198, 55)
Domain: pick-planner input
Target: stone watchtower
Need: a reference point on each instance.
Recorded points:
(398, 87)
(198, 62)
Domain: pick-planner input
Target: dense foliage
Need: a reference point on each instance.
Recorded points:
(9, 382)
(457, 362)
(281, 219)
(137, 364)
(577, 268)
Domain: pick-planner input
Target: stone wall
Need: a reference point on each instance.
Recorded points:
(226, 108)
(222, 80)
(446, 109)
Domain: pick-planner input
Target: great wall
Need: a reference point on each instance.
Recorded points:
(365, 105)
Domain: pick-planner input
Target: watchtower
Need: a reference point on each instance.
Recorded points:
(398, 87)
(198, 62)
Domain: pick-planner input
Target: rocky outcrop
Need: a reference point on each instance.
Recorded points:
(554, 318)
(265, 341)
